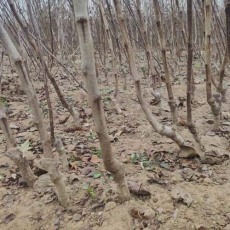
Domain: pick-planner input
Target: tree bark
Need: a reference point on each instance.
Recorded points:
(214, 104)
(114, 62)
(64, 102)
(158, 127)
(4, 125)
(227, 15)
(24, 168)
(148, 51)
(46, 85)
(94, 97)
(28, 89)
(172, 103)
(190, 123)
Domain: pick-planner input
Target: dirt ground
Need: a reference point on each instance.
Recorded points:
(184, 193)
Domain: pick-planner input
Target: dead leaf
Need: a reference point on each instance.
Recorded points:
(86, 171)
(159, 179)
(95, 159)
(63, 119)
(73, 165)
(73, 129)
(71, 147)
(182, 121)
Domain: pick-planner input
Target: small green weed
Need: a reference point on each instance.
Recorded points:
(90, 191)
(97, 152)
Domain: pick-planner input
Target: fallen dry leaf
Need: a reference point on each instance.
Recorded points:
(95, 159)
(73, 129)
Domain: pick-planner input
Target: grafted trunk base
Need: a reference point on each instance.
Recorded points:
(24, 168)
(51, 166)
(62, 153)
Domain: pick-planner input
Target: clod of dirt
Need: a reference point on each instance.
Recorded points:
(202, 228)
(29, 155)
(77, 217)
(214, 158)
(138, 189)
(187, 152)
(86, 228)
(5, 162)
(43, 185)
(119, 218)
(48, 198)
(86, 171)
(142, 213)
(22, 182)
(110, 205)
(56, 223)
(207, 181)
(180, 195)
(73, 178)
(187, 174)
(8, 200)
(8, 218)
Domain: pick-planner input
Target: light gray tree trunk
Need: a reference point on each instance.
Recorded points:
(28, 89)
(94, 97)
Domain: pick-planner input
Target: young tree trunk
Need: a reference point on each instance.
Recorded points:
(148, 51)
(4, 125)
(88, 69)
(158, 127)
(172, 103)
(24, 168)
(221, 89)
(117, 46)
(62, 153)
(181, 23)
(64, 102)
(28, 89)
(40, 53)
(48, 163)
(15, 154)
(214, 104)
(227, 15)
(114, 62)
(190, 123)
(52, 167)
(1, 71)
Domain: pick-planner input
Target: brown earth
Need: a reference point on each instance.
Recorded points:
(185, 193)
